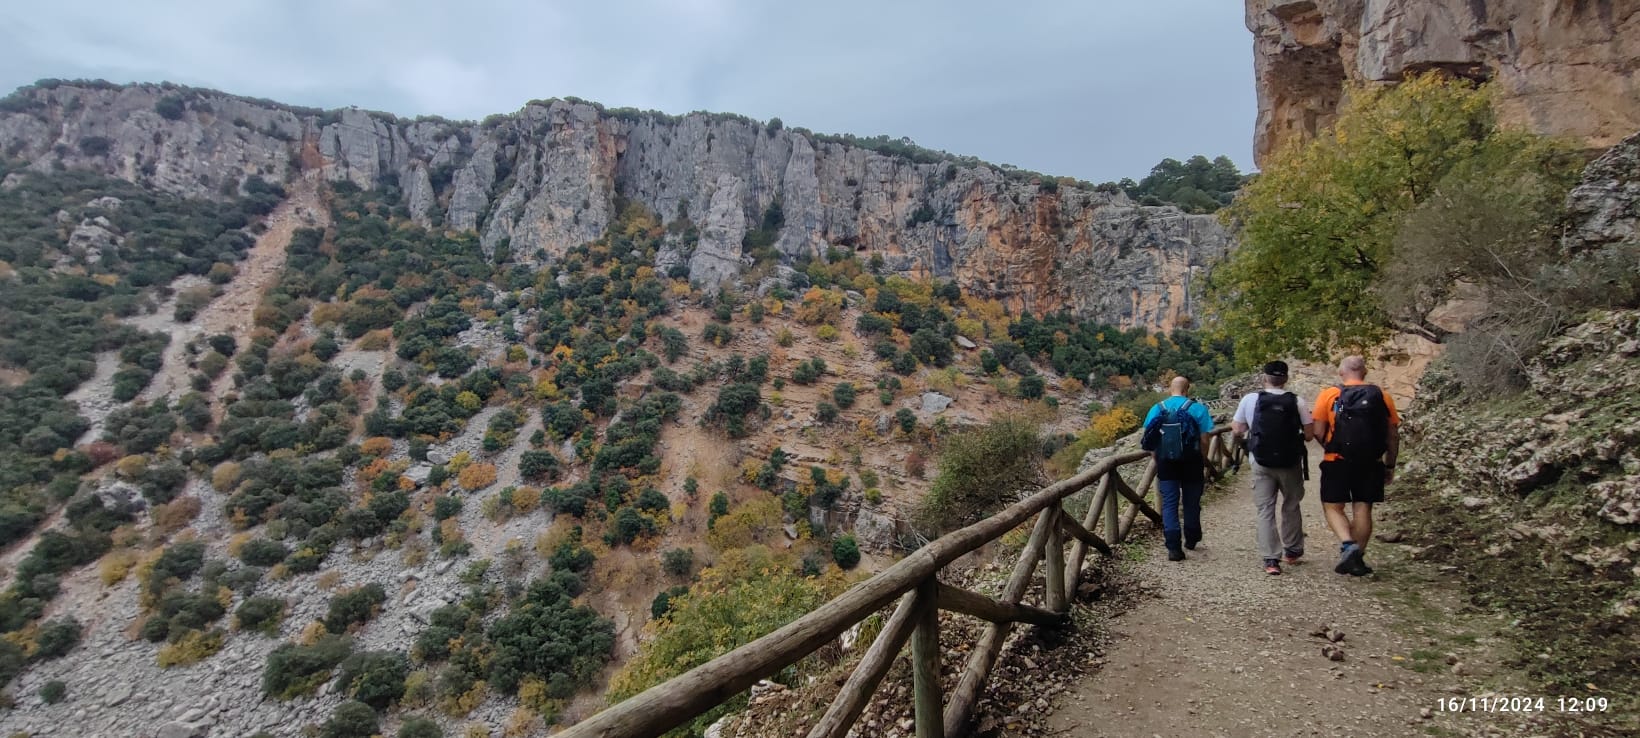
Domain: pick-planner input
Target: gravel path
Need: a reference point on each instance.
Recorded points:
(1219, 648)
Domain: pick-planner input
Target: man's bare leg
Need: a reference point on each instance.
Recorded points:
(1361, 522)
(1337, 521)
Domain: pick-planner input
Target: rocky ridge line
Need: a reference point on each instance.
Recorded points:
(551, 176)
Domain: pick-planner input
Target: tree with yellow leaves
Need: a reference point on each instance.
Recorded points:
(476, 477)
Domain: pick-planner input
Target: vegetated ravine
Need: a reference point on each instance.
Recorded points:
(328, 418)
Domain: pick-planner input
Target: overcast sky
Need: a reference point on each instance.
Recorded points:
(1094, 89)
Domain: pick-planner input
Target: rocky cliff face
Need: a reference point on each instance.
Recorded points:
(549, 176)
(1565, 67)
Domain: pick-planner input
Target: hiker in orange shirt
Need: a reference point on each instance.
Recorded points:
(1360, 430)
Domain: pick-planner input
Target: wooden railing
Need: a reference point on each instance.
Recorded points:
(914, 582)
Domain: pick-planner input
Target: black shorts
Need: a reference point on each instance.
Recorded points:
(1352, 481)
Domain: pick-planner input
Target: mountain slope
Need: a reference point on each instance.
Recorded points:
(552, 175)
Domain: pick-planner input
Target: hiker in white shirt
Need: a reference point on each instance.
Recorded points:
(1276, 424)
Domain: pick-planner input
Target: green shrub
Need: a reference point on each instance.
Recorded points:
(179, 562)
(56, 638)
(53, 692)
(906, 419)
(352, 719)
(846, 551)
(446, 507)
(548, 636)
(717, 508)
(742, 601)
(263, 552)
(260, 614)
(678, 562)
(294, 670)
(416, 726)
(129, 382)
(843, 394)
(808, 372)
(354, 607)
(538, 466)
(375, 678)
(170, 107)
(980, 469)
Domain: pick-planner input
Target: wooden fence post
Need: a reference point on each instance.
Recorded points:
(1112, 534)
(1054, 552)
(925, 662)
(1090, 520)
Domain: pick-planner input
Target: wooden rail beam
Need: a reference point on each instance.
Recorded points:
(1126, 526)
(1090, 520)
(956, 599)
(1144, 507)
(862, 683)
(1087, 537)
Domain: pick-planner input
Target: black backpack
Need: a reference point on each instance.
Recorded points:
(1360, 427)
(1172, 435)
(1276, 437)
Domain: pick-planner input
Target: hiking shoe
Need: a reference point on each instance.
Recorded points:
(1174, 554)
(1292, 557)
(1349, 561)
(1272, 567)
(1361, 569)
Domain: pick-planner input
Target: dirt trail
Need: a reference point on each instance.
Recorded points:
(233, 311)
(1223, 649)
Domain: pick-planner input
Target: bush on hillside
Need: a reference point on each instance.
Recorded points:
(981, 469)
(294, 670)
(354, 607)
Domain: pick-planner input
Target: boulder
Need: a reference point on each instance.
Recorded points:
(875, 530)
(177, 729)
(934, 403)
(117, 694)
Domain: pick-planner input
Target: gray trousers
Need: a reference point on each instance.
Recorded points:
(1288, 536)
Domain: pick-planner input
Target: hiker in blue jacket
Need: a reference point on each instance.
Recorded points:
(1176, 435)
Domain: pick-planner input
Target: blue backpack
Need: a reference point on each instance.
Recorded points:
(1172, 434)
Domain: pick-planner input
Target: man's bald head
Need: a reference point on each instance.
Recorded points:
(1353, 367)
(1180, 386)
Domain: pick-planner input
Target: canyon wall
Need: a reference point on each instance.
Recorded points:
(551, 175)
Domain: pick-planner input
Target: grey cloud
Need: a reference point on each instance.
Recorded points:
(1096, 90)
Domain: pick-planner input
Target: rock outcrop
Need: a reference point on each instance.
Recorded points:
(552, 175)
(1604, 207)
(1564, 68)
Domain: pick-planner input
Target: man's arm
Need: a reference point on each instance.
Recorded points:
(1393, 453)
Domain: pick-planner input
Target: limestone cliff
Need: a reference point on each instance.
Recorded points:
(549, 176)
(1565, 67)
